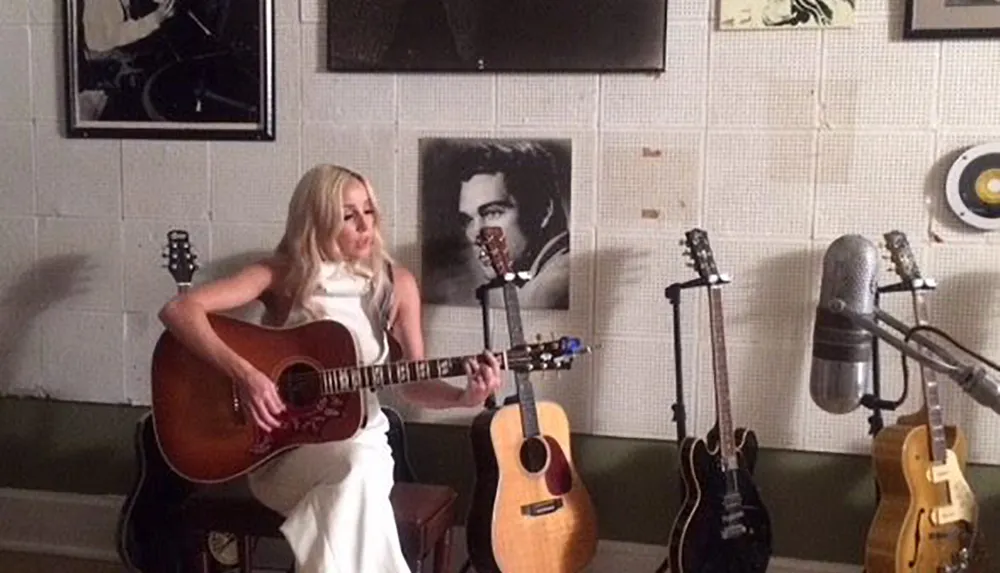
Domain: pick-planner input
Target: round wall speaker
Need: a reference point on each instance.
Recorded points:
(973, 186)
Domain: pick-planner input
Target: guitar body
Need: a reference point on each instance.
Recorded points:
(201, 427)
(906, 535)
(696, 543)
(147, 538)
(523, 521)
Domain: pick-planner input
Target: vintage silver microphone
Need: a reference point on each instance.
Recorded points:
(845, 322)
(841, 372)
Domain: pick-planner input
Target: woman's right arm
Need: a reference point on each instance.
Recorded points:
(186, 317)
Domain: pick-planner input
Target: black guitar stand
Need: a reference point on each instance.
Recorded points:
(483, 296)
(673, 294)
(874, 401)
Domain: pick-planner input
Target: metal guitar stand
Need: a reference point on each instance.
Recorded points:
(874, 401)
(483, 296)
(673, 294)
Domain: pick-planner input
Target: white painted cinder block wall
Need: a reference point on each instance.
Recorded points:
(775, 142)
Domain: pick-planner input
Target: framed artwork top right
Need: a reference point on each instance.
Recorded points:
(938, 19)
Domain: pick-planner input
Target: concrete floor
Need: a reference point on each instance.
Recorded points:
(36, 563)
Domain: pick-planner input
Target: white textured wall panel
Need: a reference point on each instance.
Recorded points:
(774, 142)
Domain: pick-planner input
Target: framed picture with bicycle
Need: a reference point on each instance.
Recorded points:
(170, 69)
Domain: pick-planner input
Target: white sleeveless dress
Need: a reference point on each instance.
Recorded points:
(335, 496)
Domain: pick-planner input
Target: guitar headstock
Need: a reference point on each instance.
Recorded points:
(492, 245)
(555, 354)
(181, 261)
(702, 257)
(903, 260)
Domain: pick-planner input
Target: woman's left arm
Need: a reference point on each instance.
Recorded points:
(483, 377)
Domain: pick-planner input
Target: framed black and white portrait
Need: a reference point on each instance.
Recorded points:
(497, 35)
(170, 69)
(937, 19)
(521, 186)
(785, 14)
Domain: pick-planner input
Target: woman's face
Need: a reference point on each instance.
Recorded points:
(484, 202)
(358, 233)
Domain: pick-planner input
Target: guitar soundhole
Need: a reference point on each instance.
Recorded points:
(299, 386)
(534, 454)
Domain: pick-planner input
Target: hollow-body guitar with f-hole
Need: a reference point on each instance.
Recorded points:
(723, 525)
(530, 512)
(926, 519)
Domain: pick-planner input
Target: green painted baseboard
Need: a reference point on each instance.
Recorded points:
(820, 504)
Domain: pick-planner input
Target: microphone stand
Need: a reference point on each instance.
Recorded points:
(973, 380)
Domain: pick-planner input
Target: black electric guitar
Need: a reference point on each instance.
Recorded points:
(530, 510)
(722, 526)
(148, 536)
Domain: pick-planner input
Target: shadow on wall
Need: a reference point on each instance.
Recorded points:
(788, 385)
(32, 293)
(46, 439)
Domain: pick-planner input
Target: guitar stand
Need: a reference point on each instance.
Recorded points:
(874, 401)
(673, 294)
(482, 295)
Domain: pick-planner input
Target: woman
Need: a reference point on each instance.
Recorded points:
(331, 263)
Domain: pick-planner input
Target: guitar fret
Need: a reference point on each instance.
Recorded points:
(341, 380)
(377, 375)
(422, 370)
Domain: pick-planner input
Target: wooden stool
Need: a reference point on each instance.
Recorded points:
(424, 513)
(424, 516)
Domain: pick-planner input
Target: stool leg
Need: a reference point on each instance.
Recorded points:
(246, 554)
(442, 553)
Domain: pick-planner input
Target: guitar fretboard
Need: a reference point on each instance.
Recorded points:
(720, 370)
(932, 398)
(525, 392)
(337, 380)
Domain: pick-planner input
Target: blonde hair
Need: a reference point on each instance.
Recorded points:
(315, 219)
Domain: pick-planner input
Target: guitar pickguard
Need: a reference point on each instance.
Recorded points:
(963, 506)
(303, 422)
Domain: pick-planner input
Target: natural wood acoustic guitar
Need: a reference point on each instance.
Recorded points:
(927, 515)
(530, 512)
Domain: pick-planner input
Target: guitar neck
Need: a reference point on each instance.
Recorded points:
(525, 392)
(720, 370)
(932, 398)
(375, 376)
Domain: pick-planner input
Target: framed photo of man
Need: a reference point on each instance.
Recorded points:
(521, 186)
(170, 69)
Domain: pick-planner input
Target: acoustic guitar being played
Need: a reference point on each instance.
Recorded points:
(530, 512)
(927, 515)
(201, 424)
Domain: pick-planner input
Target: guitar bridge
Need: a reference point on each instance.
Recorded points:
(542, 507)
